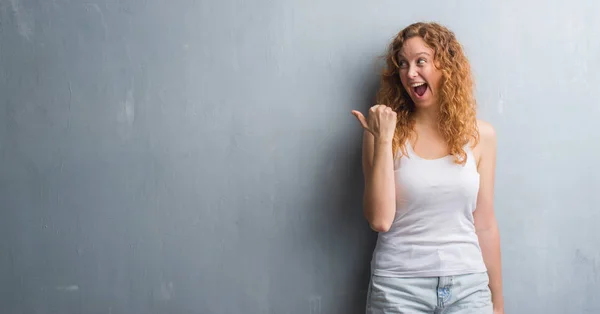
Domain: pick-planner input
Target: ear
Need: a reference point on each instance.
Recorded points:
(436, 61)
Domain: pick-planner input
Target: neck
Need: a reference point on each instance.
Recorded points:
(427, 116)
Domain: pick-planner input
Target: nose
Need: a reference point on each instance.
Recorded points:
(412, 72)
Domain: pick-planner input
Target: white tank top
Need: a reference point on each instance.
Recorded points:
(433, 233)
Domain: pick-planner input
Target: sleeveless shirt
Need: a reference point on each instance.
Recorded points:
(433, 232)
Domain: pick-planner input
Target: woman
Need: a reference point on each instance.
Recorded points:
(429, 169)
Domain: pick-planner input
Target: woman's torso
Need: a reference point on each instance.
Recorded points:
(433, 232)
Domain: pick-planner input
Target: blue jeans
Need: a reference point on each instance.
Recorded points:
(462, 294)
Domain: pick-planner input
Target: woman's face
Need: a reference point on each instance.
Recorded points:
(418, 73)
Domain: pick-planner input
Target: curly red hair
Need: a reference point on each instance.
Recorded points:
(457, 116)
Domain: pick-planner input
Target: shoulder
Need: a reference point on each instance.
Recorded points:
(486, 148)
(487, 132)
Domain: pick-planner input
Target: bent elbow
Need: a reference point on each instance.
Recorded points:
(380, 226)
(380, 218)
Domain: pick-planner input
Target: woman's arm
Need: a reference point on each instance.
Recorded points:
(379, 196)
(485, 220)
(378, 166)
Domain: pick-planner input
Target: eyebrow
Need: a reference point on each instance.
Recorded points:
(402, 57)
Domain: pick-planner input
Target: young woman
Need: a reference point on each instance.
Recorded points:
(429, 169)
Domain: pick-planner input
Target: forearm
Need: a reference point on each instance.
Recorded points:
(380, 195)
(489, 240)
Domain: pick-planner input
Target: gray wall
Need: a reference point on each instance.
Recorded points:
(200, 156)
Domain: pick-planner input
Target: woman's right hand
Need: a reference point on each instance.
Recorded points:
(381, 122)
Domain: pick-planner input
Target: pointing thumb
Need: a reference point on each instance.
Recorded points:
(361, 119)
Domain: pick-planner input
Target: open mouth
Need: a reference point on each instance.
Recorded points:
(420, 89)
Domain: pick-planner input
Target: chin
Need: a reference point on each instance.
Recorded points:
(424, 103)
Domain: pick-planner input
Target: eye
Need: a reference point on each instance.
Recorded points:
(421, 61)
(402, 64)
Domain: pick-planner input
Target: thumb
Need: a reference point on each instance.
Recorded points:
(361, 119)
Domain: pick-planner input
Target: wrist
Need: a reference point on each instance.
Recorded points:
(498, 306)
(383, 140)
